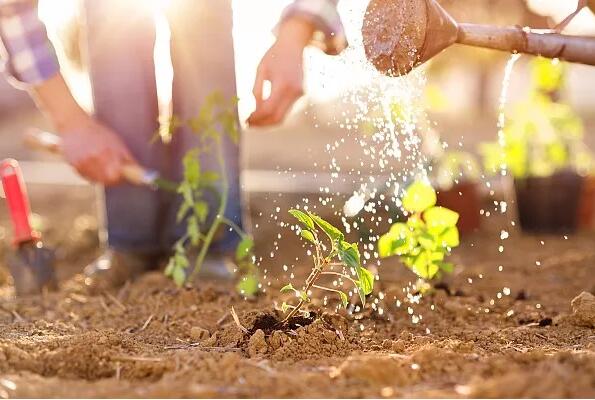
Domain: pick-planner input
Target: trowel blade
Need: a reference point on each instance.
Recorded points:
(32, 269)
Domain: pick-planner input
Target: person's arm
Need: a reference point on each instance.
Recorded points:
(303, 22)
(94, 150)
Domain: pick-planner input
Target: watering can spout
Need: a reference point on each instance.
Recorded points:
(402, 34)
(441, 31)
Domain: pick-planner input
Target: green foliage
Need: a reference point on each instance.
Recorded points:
(338, 252)
(215, 120)
(542, 135)
(423, 242)
(456, 166)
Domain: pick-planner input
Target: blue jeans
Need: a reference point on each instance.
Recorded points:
(121, 37)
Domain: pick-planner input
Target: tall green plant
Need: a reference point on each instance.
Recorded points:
(215, 121)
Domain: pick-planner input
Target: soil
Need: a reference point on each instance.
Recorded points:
(151, 339)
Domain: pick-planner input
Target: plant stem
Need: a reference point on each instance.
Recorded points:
(341, 275)
(326, 288)
(233, 226)
(313, 277)
(220, 212)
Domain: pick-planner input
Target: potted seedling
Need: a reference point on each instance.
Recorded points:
(424, 241)
(333, 257)
(542, 148)
(456, 176)
(215, 120)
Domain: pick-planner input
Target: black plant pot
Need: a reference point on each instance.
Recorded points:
(549, 204)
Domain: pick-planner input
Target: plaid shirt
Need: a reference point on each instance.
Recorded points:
(29, 56)
(31, 59)
(330, 35)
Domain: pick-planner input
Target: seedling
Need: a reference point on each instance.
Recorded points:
(215, 120)
(542, 135)
(329, 254)
(426, 239)
(453, 167)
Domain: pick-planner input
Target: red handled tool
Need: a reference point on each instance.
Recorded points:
(32, 265)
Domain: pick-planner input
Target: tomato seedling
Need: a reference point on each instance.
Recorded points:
(340, 254)
(423, 242)
(216, 119)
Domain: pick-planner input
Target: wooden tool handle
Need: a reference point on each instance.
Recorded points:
(52, 143)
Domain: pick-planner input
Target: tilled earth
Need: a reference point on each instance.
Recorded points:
(482, 333)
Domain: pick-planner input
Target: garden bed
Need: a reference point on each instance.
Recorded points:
(151, 339)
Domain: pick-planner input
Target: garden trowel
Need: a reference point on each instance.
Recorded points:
(133, 173)
(31, 265)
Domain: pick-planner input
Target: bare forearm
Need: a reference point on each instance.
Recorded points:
(296, 30)
(54, 99)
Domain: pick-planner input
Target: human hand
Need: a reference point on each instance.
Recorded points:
(94, 150)
(282, 67)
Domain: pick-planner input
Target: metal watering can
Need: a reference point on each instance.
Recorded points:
(402, 34)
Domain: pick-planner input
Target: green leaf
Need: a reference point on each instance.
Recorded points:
(201, 209)
(187, 192)
(349, 255)
(438, 218)
(303, 295)
(398, 240)
(303, 218)
(179, 276)
(287, 288)
(181, 260)
(367, 281)
(193, 230)
(426, 241)
(419, 196)
(447, 267)
(437, 256)
(424, 267)
(285, 307)
(182, 211)
(244, 248)
(308, 236)
(248, 285)
(171, 265)
(450, 237)
(191, 168)
(333, 233)
(209, 178)
(344, 299)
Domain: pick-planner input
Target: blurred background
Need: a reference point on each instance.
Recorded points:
(460, 92)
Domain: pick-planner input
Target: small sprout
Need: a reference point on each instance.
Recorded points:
(426, 238)
(338, 253)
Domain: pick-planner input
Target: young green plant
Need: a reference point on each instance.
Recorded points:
(423, 242)
(334, 252)
(542, 135)
(215, 120)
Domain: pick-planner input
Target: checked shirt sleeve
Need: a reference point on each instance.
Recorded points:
(25, 49)
(330, 35)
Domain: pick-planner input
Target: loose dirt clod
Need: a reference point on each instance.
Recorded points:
(257, 345)
(199, 334)
(583, 307)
